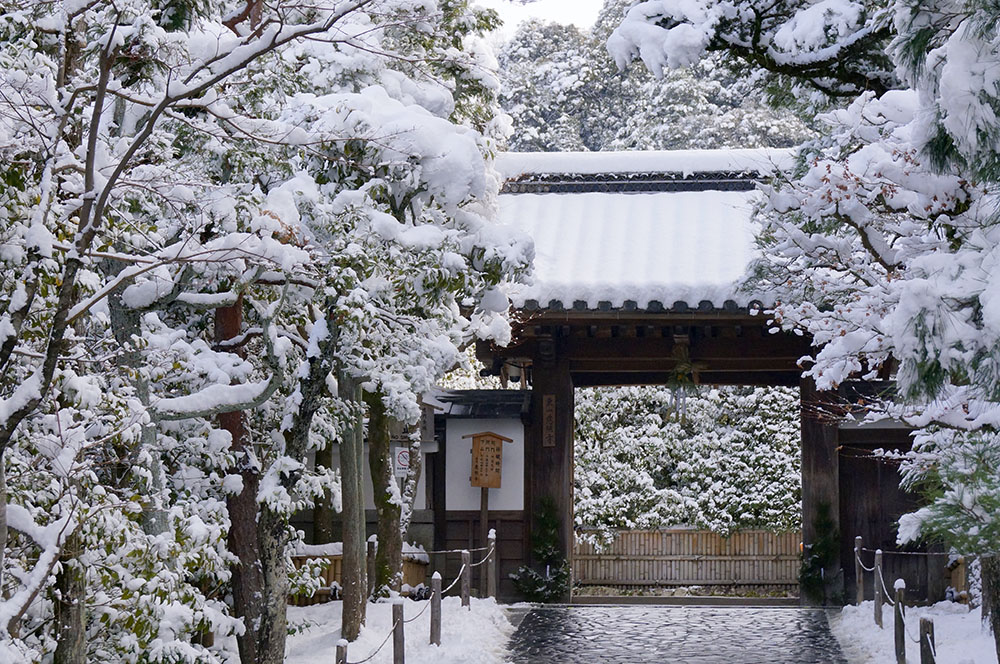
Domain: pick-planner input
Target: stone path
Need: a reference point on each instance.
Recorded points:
(673, 634)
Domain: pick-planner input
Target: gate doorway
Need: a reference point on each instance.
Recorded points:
(687, 490)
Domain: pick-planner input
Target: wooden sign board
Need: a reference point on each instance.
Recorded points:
(549, 420)
(487, 459)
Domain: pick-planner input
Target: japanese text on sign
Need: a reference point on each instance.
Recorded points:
(549, 420)
(487, 459)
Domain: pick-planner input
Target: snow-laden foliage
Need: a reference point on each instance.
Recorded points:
(320, 169)
(722, 459)
(466, 376)
(563, 92)
(885, 244)
(804, 52)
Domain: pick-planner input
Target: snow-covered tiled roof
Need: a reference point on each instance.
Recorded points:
(642, 234)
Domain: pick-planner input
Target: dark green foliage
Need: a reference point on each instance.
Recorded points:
(550, 581)
(819, 557)
(177, 15)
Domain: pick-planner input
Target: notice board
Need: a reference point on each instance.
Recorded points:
(487, 459)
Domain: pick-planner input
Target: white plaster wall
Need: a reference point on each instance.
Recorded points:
(459, 494)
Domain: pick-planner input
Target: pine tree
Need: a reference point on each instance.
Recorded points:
(563, 92)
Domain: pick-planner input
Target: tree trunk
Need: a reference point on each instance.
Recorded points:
(126, 327)
(323, 513)
(242, 542)
(70, 606)
(990, 574)
(410, 484)
(354, 575)
(389, 556)
(273, 631)
(243, 539)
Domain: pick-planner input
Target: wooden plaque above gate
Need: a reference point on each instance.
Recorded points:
(487, 458)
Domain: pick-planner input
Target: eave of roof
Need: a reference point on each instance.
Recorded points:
(553, 183)
(707, 307)
(485, 404)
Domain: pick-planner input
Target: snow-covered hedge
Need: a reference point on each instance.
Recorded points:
(722, 459)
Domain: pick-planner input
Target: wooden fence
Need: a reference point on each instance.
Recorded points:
(681, 557)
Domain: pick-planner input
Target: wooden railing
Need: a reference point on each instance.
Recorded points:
(682, 557)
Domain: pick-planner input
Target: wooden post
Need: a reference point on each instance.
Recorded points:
(548, 447)
(397, 631)
(926, 641)
(900, 625)
(371, 552)
(484, 529)
(879, 591)
(466, 576)
(491, 565)
(342, 651)
(820, 481)
(436, 609)
(859, 573)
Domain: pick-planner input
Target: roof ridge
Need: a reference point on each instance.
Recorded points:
(543, 183)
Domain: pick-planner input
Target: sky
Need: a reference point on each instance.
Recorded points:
(581, 13)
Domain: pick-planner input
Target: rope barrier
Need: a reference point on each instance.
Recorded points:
(485, 558)
(930, 644)
(489, 552)
(886, 597)
(857, 557)
(906, 553)
(376, 651)
(907, 630)
(457, 579)
(426, 604)
(481, 548)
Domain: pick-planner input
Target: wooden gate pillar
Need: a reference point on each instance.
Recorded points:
(549, 449)
(820, 499)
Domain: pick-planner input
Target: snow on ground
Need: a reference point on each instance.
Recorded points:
(478, 636)
(958, 633)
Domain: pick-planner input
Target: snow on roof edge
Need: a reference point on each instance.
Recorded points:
(674, 300)
(761, 160)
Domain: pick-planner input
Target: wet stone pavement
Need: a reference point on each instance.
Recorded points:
(673, 634)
